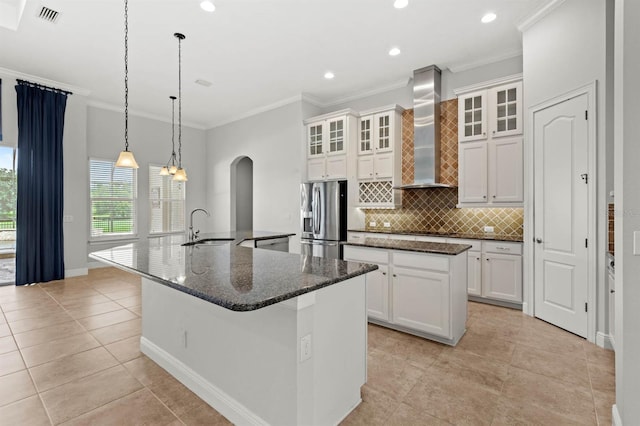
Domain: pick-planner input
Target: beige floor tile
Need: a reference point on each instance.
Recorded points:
(136, 310)
(391, 375)
(455, 399)
(123, 294)
(107, 319)
(39, 312)
(47, 334)
(125, 350)
(15, 386)
(56, 349)
(39, 302)
(119, 331)
(570, 369)
(68, 294)
(567, 400)
(146, 371)
(5, 330)
(495, 328)
(95, 309)
(110, 285)
(27, 411)
(85, 301)
(2, 318)
(23, 326)
(198, 412)
(11, 362)
(489, 347)
(418, 351)
(604, 402)
(603, 379)
(518, 412)
(88, 393)
(407, 415)
(64, 370)
(375, 409)
(544, 336)
(482, 371)
(138, 408)
(596, 354)
(7, 344)
(128, 302)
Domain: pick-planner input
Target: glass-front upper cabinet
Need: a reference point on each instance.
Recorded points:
(506, 104)
(314, 138)
(365, 135)
(383, 136)
(336, 135)
(472, 116)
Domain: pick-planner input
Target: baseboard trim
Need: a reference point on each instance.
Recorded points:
(604, 341)
(212, 395)
(68, 273)
(95, 265)
(615, 416)
(504, 304)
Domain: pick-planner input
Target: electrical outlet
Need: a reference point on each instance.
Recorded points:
(372, 223)
(387, 224)
(305, 348)
(488, 229)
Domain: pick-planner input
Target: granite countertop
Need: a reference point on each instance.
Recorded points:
(234, 277)
(417, 246)
(462, 235)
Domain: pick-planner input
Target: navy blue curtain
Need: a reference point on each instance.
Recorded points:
(39, 239)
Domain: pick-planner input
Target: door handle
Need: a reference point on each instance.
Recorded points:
(539, 240)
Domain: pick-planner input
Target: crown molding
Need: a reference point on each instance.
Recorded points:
(119, 108)
(486, 84)
(76, 90)
(486, 61)
(366, 93)
(260, 110)
(527, 23)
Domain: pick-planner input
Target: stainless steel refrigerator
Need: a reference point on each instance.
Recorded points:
(323, 218)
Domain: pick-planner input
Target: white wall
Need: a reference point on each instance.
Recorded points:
(150, 141)
(75, 173)
(627, 187)
(562, 52)
(274, 141)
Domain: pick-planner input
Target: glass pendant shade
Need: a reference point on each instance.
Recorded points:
(173, 169)
(180, 176)
(164, 171)
(126, 159)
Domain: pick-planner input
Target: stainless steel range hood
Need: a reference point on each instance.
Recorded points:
(426, 138)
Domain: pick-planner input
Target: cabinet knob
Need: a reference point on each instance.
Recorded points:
(612, 291)
(484, 133)
(394, 275)
(539, 240)
(487, 259)
(484, 196)
(477, 258)
(494, 196)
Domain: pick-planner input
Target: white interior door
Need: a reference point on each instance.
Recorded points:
(561, 213)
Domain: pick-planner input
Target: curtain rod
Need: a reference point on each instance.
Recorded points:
(42, 86)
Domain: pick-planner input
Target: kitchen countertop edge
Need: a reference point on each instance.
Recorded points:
(415, 246)
(483, 237)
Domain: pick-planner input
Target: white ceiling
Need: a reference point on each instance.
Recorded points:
(255, 52)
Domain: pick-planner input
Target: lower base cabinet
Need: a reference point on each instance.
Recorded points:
(419, 293)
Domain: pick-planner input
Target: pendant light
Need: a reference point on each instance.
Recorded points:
(181, 174)
(126, 158)
(171, 169)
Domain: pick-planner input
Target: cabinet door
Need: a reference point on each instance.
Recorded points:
(383, 166)
(612, 308)
(315, 132)
(378, 293)
(472, 116)
(474, 273)
(421, 301)
(336, 167)
(506, 110)
(365, 167)
(502, 277)
(335, 140)
(384, 132)
(365, 136)
(505, 170)
(472, 172)
(316, 169)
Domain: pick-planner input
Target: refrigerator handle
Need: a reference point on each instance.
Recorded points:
(316, 210)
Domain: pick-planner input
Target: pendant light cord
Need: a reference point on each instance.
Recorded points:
(180, 101)
(173, 131)
(126, 76)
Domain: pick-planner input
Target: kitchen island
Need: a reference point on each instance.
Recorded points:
(264, 337)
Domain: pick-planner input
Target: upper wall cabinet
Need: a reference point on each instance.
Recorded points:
(380, 157)
(329, 139)
(490, 153)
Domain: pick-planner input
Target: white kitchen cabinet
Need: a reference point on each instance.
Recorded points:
(501, 271)
(490, 154)
(425, 293)
(328, 145)
(474, 273)
(611, 280)
(380, 157)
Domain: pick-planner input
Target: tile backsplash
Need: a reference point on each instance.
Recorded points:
(434, 209)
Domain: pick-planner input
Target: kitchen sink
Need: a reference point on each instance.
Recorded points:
(209, 242)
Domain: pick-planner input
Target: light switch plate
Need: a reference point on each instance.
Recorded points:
(387, 224)
(488, 229)
(372, 223)
(636, 243)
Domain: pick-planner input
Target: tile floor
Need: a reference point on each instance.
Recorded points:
(69, 355)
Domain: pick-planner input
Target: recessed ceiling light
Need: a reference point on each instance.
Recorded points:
(328, 75)
(489, 17)
(207, 6)
(394, 51)
(400, 4)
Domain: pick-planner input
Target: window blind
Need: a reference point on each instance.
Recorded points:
(113, 192)
(166, 203)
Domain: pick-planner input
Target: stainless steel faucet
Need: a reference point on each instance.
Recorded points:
(194, 235)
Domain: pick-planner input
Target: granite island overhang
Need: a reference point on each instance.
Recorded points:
(264, 337)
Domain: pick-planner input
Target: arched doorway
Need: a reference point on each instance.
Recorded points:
(242, 194)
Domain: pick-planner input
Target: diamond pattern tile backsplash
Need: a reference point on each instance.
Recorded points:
(434, 210)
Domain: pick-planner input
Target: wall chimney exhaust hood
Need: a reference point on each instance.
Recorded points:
(426, 127)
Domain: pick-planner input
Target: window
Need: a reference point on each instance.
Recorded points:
(166, 203)
(113, 199)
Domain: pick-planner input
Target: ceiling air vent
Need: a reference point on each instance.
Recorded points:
(48, 15)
